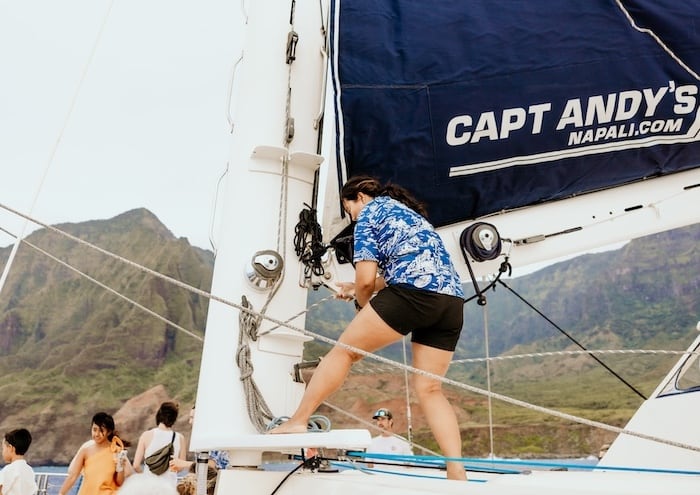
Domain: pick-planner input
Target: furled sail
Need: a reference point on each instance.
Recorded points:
(493, 105)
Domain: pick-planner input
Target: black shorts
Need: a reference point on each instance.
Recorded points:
(433, 319)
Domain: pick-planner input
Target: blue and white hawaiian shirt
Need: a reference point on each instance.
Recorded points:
(405, 246)
(220, 458)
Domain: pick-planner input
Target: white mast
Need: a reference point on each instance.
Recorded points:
(270, 179)
(263, 164)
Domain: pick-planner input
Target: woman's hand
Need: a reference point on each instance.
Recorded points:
(180, 464)
(346, 291)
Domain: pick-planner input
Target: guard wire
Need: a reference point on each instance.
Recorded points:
(572, 339)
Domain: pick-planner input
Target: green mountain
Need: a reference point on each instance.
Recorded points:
(69, 348)
(645, 293)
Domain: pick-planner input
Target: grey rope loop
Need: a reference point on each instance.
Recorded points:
(258, 411)
(317, 423)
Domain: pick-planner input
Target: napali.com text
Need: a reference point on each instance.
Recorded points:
(630, 129)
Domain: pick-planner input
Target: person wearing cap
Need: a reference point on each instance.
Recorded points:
(387, 442)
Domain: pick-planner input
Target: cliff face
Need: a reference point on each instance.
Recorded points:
(57, 446)
(69, 348)
(138, 414)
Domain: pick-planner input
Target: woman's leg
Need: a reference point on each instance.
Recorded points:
(438, 411)
(367, 331)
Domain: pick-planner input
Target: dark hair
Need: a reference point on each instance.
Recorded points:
(106, 422)
(372, 187)
(20, 439)
(167, 413)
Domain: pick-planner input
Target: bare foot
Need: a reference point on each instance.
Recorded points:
(288, 427)
(455, 471)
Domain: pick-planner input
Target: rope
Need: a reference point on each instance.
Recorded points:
(133, 264)
(613, 372)
(504, 398)
(372, 426)
(215, 204)
(576, 353)
(316, 423)
(308, 244)
(282, 218)
(258, 410)
(488, 376)
(59, 138)
(427, 461)
(657, 39)
(409, 417)
(107, 288)
(361, 352)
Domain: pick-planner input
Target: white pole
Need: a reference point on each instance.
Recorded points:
(269, 181)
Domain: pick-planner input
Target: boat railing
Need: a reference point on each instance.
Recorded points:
(50, 483)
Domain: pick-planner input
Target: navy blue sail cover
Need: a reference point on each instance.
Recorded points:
(479, 106)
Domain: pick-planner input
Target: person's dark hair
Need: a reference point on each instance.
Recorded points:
(167, 413)
(372, 187)
(106, 422)
(20, 439)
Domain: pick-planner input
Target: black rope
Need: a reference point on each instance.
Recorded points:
(310, 463)
(358, 457)
(308, 243)
(582, 347)
(482, 242)
(505, 267)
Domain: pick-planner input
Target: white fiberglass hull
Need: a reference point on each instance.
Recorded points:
(535, 483)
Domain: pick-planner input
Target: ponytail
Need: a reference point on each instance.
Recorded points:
(401, 194)
(372, 187)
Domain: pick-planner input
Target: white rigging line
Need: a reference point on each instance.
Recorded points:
(657, 39)
(573, 353)
(396, 364)
(409, 416)
(105, 287)
(375, 427)
(54, 148)
(215, 203)
(488, 376)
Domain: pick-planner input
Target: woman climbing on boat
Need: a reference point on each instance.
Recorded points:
(399, 256)
(102, 460)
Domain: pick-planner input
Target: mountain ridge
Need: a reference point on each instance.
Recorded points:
(69, 349)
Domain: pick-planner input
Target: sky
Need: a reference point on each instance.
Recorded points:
(139, 123)
(108, 106)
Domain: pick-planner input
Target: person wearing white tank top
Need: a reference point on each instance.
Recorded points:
(160, 436)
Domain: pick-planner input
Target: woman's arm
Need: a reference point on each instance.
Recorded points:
(180, 464)
(347, 290)
(76, 465)
(365, 281)
(183, 447)
(140, 451)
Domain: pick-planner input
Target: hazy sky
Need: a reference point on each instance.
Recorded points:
(148, 127)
